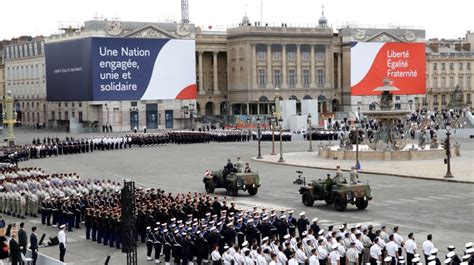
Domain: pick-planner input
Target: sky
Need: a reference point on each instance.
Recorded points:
(440, 19)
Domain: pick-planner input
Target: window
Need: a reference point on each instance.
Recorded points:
(468, 66)
(306, 78)
(59, 104)
(451, 81)
(451, 66)
(133, 103)
(443, 99)
(319, 55)
(53, 115)
(73, 104)
(261, 55)
(435, 82)
(291, 78)
(276, 56)
(398, 106)
(277, 77)
(468, 81)
(461, 81)
(443, 66)
(397, 97)
(73, 114)
(443, 82)
(305, 56)
(460, 66)
(291, 56)
(261, 78)
(320, 77)
(435, 99)
(425, 101)
(65, 104)
(80, 116)
(59, 115)
(435, 66)
(468, 98)
(80, 104)
(66, 115)
(451, 97)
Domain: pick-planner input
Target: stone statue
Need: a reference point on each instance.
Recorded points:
(386, 99)
(434, 142)
(422, 139)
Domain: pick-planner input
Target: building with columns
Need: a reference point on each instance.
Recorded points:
(449, 64)
(252, 60)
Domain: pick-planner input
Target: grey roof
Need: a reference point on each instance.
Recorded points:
(132, 25)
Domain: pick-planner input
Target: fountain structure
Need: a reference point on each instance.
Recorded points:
(388, 141)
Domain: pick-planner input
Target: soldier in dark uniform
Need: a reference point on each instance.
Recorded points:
(302, 223)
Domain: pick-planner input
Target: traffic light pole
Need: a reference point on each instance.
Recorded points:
(448, 155)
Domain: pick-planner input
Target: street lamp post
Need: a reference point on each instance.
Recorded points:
(448, 154)
(191, 109)
(357, 165)
(259, 136)
(273, 119)
(9, 118)
(280, 123)
(310, 133)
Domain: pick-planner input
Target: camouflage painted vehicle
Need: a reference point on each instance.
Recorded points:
(338, 194)
(233, 182)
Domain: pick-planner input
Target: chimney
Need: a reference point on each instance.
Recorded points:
(458, 47)
(434, 47)
(466, 47)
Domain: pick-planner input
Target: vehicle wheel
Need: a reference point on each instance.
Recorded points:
(307, 199)
(209, 187)
(232, 190)
(340, 204)
(252, 191)
(361, 204)
(329, 201)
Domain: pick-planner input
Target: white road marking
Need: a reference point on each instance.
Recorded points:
(422, 199)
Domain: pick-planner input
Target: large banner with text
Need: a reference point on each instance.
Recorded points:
(101, 69)
(403, 63)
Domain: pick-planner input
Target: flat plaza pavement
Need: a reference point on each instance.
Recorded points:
(421, 206)
(462, 167)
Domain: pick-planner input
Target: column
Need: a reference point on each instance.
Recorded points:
(269, 66)
(283, 66)
(253, 67)
(216, 73)
(201, 78)
(339, 71)
(298, 66)
(313, 70)
(327, 68)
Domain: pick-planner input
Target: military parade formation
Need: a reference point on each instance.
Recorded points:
(54, 146)
(188, 228)
(193, 227)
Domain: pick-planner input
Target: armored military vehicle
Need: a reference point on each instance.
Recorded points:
(232, 182)
(338, 194)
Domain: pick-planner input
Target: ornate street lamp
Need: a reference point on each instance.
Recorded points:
(9, 117)
(357, 125)
(280, 123)
(310, 133)
(273, 122)
(259, 136)
(448, 152)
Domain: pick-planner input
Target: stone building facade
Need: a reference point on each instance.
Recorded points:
(25, 77)
(449, 64)
(252, 60)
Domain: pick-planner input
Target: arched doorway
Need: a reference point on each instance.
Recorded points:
(263, 105)
(209, 108)
(322, 107)
(307, 97)
(335, 105)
